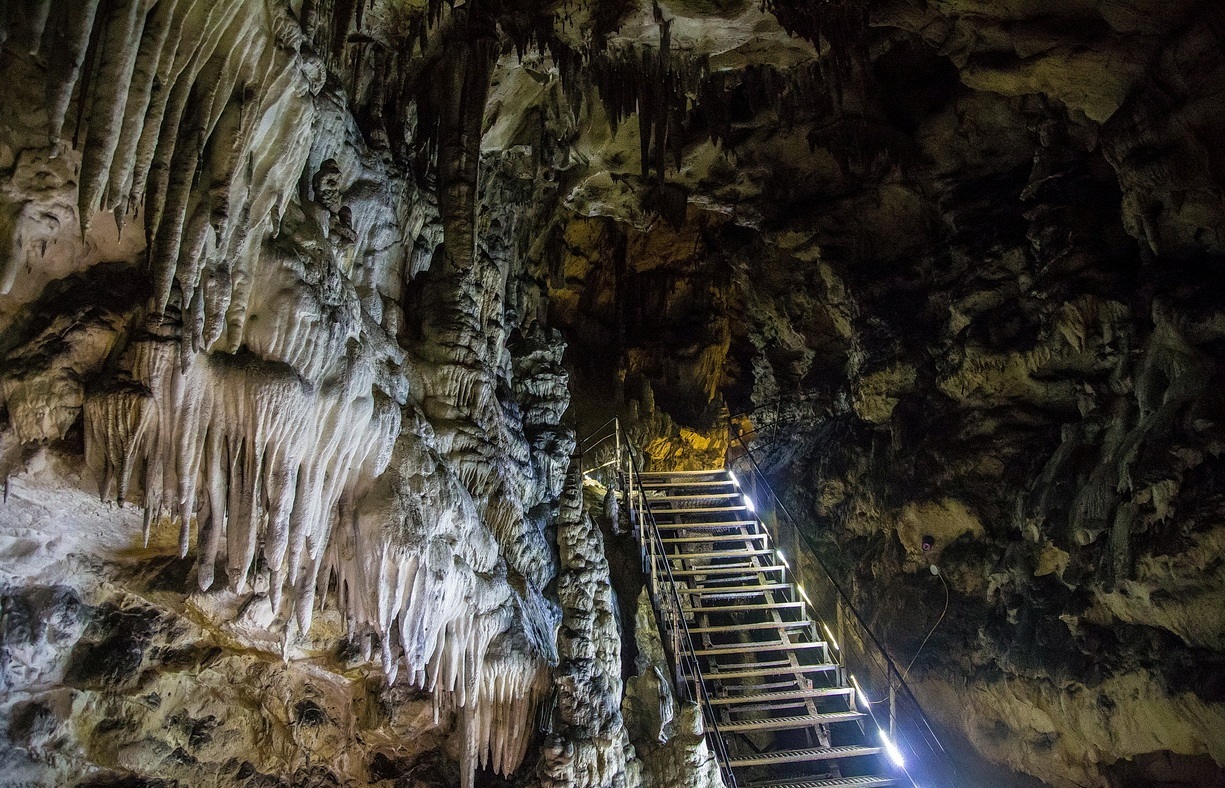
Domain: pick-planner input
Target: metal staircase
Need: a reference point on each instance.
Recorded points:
(772, 687)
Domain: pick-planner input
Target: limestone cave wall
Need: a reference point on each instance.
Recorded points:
(302, 303)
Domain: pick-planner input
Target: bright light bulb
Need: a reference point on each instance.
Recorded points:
(832, 642)
(891, 750)
(863, 696)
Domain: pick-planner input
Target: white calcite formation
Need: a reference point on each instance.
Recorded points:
(670, 732)
(590, 746)
(349, 418)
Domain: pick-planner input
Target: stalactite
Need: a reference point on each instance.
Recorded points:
(68, 37)
(656, 84)
(842, 24)
(119, 55)
(419, 569)
(244, 448)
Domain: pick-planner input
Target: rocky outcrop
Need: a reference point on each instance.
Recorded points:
(590, 745)
(233, 301)
(670, 731)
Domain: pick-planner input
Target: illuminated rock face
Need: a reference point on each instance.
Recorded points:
(309, 289)
(207, 317)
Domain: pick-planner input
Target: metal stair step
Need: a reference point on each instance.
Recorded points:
(798, 694)
(740, 608)
(728, 570)
(669, 474)
(790, 723)
(737, 563)
(803, 756)
(782, 707)
(753, 670)
(693, 497)
(707, 524)
(754, 625)
(667, 485)
(711, 537)
(741, 590)
(714, 583)
(764, 686)
(756, 648)
(832, 782)
(697, 510)
(720, 554)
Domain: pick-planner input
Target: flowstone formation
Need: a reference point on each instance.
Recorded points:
(269, 301)
(591, 746)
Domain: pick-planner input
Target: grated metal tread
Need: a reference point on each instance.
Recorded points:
(832, 782)
(667, 485)
(790, 723)
(706, 609)
(696, 510)
(711, 537)
(696, 497)
(709, 524)
(753, 671)
(799, 694)
(737, 563)
(803, 756)
(735, 591)
(755, 648)
(669, 474)
(728, 570)
(720, 554)
(754, 625)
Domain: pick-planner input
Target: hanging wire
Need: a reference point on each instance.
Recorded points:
(940, 575)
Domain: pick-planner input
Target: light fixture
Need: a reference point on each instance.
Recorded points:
(863, 696)
(832, 642)
(891, 750)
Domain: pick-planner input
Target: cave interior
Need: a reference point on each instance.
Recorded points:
(314, 315)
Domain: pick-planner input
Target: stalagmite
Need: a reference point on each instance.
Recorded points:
(595, 750)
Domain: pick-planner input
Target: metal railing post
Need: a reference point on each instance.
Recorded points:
(617, 432)
(893, 700)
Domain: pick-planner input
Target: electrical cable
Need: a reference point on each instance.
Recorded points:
(906, 672)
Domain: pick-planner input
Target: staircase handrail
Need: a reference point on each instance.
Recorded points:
(893, 675)
(710, 720)
(649, 529)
